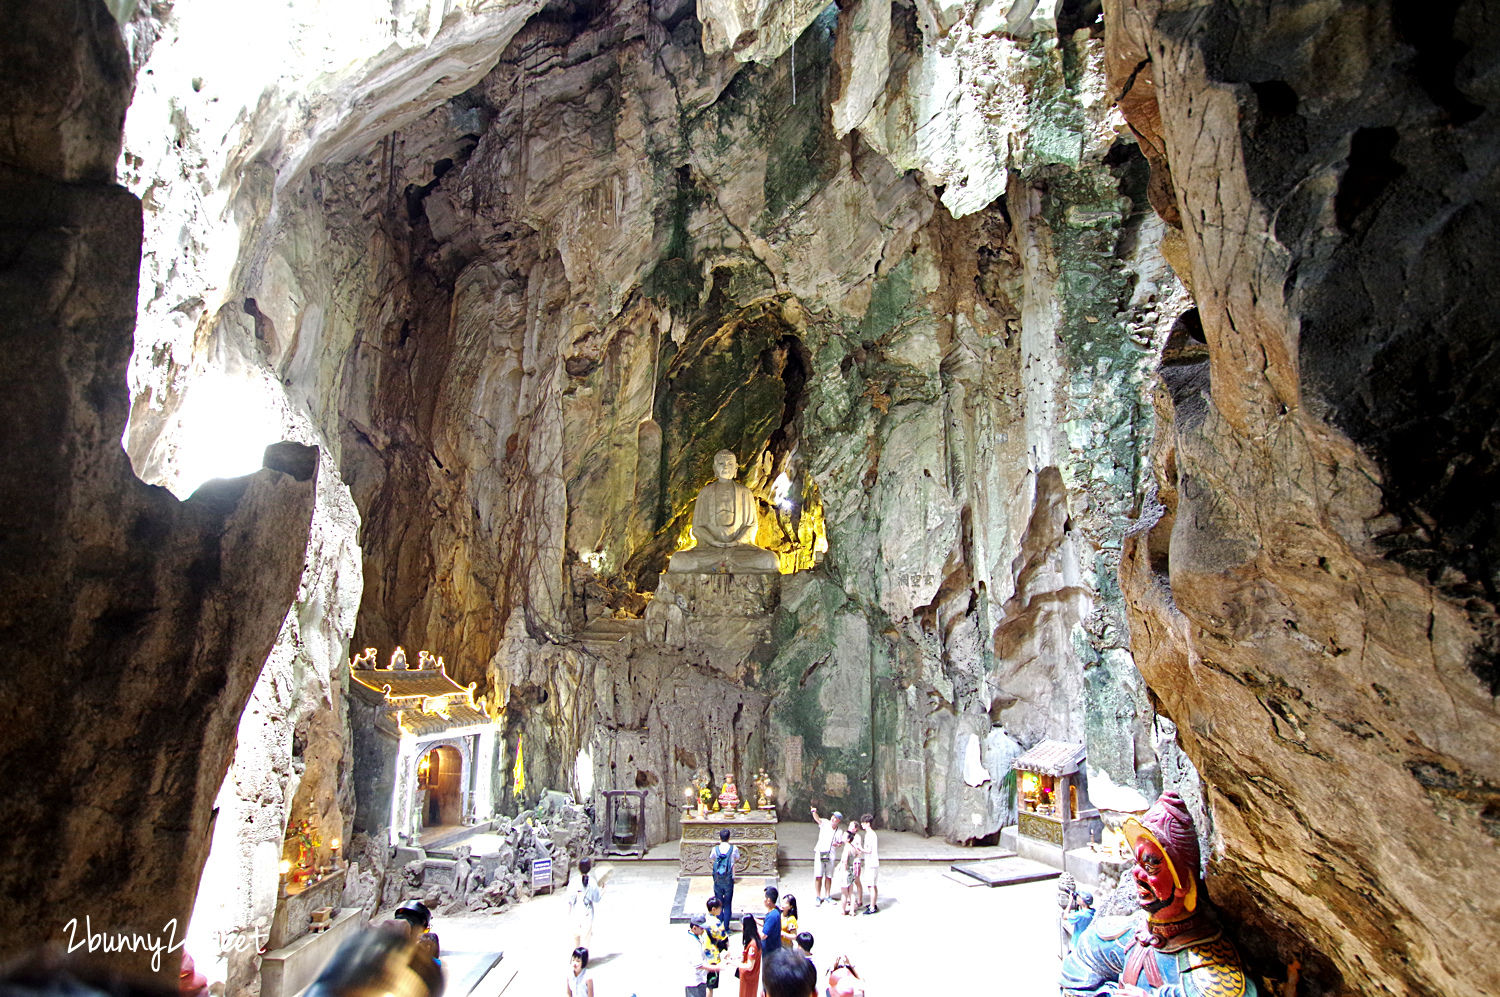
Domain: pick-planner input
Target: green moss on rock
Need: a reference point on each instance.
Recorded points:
(802, 153)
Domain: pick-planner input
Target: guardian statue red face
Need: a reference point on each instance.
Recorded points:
(1166, 859)
(1153, 878)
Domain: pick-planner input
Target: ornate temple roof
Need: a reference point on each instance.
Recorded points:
(421, 723)
(419, 701)
(407, 684)
(1051, 758)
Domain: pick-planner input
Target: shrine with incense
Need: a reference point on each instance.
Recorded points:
(751, 829)
(304, 860)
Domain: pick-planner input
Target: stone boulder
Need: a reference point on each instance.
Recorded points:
(136, 624)
(1312, 587)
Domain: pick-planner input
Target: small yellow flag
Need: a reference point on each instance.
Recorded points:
(519, 771)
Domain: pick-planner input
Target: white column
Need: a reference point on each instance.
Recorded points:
(401, 792)
(466, 754)
(484, 775)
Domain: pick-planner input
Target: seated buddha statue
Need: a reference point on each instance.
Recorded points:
(729, 796)
(724, 522)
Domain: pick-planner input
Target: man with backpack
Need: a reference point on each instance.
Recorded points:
(722, 861)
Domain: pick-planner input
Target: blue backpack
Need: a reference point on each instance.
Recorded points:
(723, 862)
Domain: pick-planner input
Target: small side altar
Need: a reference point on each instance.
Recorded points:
(753, 831)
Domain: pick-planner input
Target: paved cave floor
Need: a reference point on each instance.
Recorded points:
(932, 934)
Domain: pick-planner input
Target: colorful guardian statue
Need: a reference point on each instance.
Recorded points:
(1173, 947)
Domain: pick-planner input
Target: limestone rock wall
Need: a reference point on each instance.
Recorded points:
(135, 624)
(522, 310)
(1312, 588)
(620, 252)
(520, 306)
(516, 269)
(292, 755)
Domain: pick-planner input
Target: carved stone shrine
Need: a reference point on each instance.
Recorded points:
(754, 832)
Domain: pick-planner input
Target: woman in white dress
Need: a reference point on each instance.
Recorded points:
(870, 872)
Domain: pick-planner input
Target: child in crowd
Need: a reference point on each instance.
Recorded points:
(702, 957)
(805, 943)
(580, 984)
(788, 920)
(718, 937)
(582, 903)
(770, 928)
(853, 895)
(869, 861)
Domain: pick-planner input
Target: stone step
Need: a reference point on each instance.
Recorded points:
(465, 970)
(962, 879)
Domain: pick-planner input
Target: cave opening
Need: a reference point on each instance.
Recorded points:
(440, 775)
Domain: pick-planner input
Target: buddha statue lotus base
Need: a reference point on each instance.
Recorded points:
(730, 614)
(740, 559)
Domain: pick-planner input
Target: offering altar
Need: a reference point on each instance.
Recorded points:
(753, 831)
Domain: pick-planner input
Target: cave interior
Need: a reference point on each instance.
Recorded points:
(1111, 374)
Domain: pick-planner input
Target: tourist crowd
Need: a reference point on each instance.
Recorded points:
(775, 957)
(771, 957)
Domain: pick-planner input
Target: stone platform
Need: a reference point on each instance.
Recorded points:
(1006, 871)
(293, 967)
(691, 896)
(1086, 865)
(727, 614)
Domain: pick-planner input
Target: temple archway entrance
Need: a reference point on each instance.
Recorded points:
(439, 787)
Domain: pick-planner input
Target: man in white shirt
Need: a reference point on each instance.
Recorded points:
(871, 875)
(823, 855)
